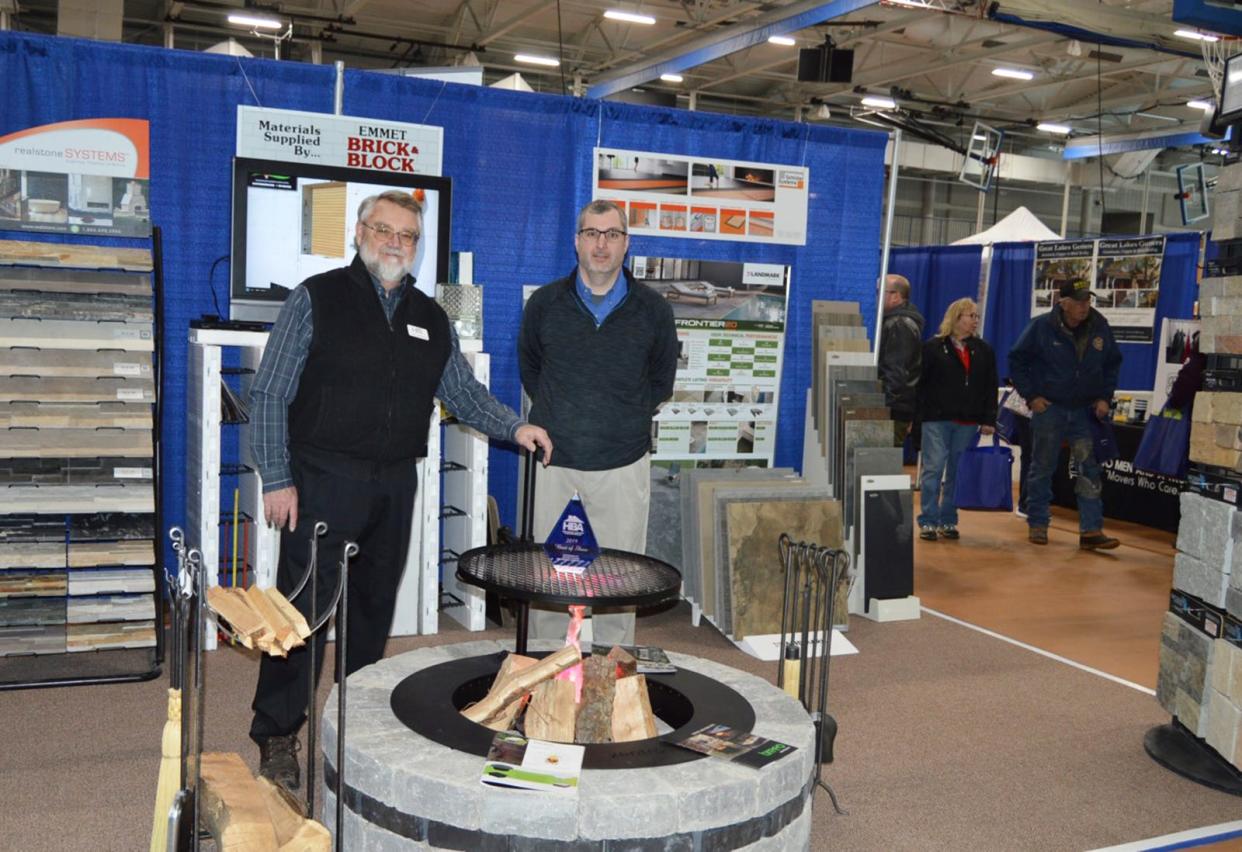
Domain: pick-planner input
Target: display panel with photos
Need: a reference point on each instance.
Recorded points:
(295, 220)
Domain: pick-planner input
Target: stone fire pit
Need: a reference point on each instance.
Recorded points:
(407, 790)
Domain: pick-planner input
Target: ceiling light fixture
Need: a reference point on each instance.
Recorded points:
(628, 17)
(783, 41)
(1206, 106)
(1195, 35)
(257, 21)
(671, 78)
(1013, 73)
(529, 59)
(1047, 127)
(913, 4)
(879, 102)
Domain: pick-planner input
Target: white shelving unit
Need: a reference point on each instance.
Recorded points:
(418, 598)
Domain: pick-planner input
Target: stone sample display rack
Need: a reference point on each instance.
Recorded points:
(79, 489)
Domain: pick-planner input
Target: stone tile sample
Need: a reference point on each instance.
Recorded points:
(88, 610)
(100, 637)
(79, 443)
(757, 576)
(33, 415)
(33, 639)
(1224, 718)
(40, 554)
(109, 526)
(874, 461)
(692, 562)
(1233, 602)
(860, 433)
(1185, 654)
(795, 490)
(1202, 579)
(74, 363)
(664, 517)
(18, 612)
(840, 382)
(72, 389)
(107, 581)
(705, 495)
(94, 307)
(37, 253)
(73, 334)
(26, 584)
(90, 554)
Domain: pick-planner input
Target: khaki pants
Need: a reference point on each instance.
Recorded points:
(616, 503)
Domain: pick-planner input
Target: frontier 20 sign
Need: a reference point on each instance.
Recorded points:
(339, 140)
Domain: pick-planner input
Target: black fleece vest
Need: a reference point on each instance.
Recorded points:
(367, 389)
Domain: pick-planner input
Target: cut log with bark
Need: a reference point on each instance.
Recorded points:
(552, 714)
(599, 684)
(232, 808)
(294, 832)
(632, 718)
(521, 683)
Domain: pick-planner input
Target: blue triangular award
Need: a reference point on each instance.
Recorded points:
(571, 545)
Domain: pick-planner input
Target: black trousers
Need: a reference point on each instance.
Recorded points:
(364, 502)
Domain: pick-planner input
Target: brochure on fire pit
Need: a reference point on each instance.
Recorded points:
(734, 745)
(650, 659)
(516, 762)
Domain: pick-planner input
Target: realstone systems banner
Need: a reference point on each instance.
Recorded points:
(79, 177)
(665, 195)
(1123, 274)
(730, 321)
(339, 140)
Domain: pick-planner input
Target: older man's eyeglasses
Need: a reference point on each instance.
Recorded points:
(385, 233)
(612, 235)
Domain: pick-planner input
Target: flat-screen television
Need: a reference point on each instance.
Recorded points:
(295, 220)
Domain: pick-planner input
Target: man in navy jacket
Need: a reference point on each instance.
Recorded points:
(1065, 365)
(598, 354)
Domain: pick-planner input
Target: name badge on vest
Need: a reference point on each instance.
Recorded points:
(418, 331)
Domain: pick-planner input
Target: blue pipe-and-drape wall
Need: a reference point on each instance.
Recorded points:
(940, 274)
(521, 169)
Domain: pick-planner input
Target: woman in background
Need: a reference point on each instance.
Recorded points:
(956, 400)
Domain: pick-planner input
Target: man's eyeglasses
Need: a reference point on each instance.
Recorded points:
(407, 238)
(612, 235)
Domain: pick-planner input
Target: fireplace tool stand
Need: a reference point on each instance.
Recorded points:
(813, 575)
(189, 624)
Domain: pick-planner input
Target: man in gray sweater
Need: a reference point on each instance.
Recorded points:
(597, 354)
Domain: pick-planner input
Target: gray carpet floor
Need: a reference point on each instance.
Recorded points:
(949, 739)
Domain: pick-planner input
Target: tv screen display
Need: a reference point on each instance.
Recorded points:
(1231, 91)
(295, 220)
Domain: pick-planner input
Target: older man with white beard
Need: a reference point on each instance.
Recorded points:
(340, 411)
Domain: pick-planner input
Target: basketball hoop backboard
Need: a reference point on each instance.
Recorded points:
(1192, 192)
(982, 157)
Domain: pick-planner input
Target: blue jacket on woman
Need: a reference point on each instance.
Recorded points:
(1070, 370)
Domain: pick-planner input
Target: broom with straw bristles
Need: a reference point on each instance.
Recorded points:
(170, 743)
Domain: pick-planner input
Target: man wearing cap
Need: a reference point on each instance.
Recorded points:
(1065, 365)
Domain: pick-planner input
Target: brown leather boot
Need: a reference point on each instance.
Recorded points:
(1037, 535)
(1096, 540)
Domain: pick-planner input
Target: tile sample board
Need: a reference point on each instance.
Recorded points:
(758, 581)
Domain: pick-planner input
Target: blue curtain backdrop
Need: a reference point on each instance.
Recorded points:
(1009, 303)
(939, 276)
(521, 168)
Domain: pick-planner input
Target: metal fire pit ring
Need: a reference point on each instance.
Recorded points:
(404, 790)
(429, 702)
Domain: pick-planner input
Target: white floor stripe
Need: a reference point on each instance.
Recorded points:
(1041, 652)
(1210, 831)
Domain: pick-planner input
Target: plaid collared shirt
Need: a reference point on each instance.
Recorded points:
(276, 384)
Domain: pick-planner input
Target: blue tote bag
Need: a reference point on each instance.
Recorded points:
(1165, 447)
(985, 477)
